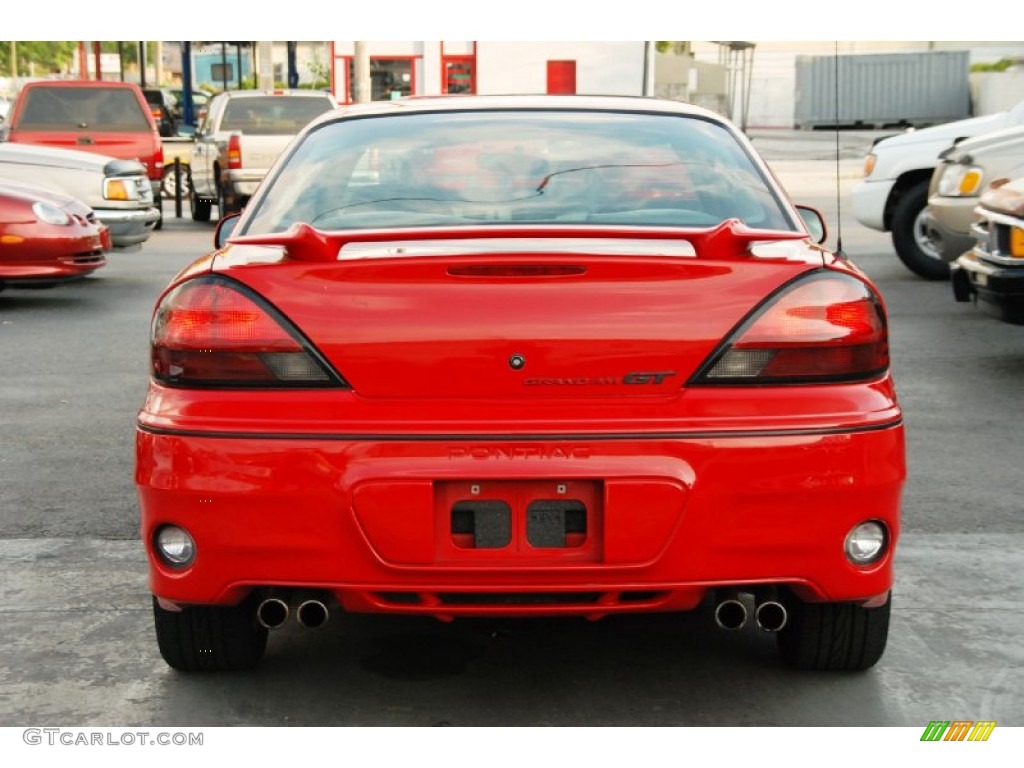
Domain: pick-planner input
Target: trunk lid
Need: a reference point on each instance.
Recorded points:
(531, 319)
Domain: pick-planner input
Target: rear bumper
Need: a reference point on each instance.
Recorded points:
(666, 519)
(243, 182)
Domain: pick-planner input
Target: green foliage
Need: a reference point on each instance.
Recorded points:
(994, 66)
(129, 51)
(52, 57)
(47, 57)
(679, 47)
(320, 73)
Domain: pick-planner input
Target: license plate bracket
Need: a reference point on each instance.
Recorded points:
(519, 520)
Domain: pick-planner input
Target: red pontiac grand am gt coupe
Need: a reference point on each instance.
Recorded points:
(520, 356)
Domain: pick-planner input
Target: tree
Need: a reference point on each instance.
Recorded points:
(38, 57)
(672, 46)
(47, 57)
(129, 51)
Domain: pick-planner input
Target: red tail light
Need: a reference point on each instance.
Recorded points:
(210, 332)
(234, 151)
(829, 327)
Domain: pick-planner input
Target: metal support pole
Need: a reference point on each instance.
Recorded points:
(188, 106)
(293, 72)
(177, 187)
(224, 66)
(265, 65)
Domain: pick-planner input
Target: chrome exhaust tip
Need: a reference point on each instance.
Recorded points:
(272, 613)
(312, 614)
(771, 615)
(731, 614)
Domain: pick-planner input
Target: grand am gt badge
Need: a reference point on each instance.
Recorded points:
(630, 379)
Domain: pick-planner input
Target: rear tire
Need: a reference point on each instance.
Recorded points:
(833, 636)
(200, 208)
(222, 204)
(207, 638)
(226, 205)
(910, 238)
(170, 188)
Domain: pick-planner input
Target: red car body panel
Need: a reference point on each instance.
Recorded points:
(718, 511)
(33, 251)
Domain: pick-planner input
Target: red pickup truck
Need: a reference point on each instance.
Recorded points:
(109, 118)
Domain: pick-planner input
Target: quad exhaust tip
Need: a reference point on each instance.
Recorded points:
(771, 615)
(312, 614)
(731, 614)
(272, 613)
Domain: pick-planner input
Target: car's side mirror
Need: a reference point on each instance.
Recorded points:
(224, 229)
(814, 222)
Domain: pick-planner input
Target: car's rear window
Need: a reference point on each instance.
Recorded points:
(501, 167)
(93, 109)
(272, 115)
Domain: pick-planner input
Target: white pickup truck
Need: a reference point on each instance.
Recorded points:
(238, 140)
(893, 196)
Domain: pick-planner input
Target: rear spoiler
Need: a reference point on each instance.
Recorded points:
(305, 243)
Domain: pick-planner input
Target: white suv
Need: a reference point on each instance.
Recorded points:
(893, 195)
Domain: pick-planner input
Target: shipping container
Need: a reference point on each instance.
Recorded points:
(880, 90)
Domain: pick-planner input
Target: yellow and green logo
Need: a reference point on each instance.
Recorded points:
(958, 730)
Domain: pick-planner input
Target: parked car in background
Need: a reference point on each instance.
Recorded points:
(200, 100)
(893, 195)
(108, 118)
(520, 356)
(47, 238)
(992, 273)
(965, 171)
(117, 190)
(238, 140)
(164, 108)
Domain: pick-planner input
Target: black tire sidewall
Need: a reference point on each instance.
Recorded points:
(200, 210)
(904, 215)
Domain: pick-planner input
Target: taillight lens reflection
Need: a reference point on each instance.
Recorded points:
(208, 332)
(825, 328)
